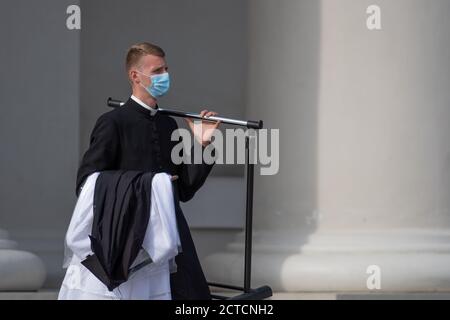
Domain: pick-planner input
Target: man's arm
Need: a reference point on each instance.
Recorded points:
(191, 177)
(103, 150)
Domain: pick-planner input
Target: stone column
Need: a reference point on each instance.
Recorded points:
(364, 122)
(19, 270)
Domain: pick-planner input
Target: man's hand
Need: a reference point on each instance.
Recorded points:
(203, 132)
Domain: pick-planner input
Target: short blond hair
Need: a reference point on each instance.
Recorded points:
(139, 50)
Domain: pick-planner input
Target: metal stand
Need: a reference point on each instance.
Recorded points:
(248, 293)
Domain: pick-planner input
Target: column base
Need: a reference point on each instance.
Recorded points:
(19, 270)
(408, 260)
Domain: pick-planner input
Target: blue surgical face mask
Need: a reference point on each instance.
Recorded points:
(159, 86)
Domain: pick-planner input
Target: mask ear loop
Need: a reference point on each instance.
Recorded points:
(143, 74)
(147, 77)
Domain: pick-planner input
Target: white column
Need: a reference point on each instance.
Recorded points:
(19, 270)
(364, 122)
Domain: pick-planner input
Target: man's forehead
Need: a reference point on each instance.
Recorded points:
(153, 62)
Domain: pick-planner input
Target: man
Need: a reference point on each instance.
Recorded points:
(137, 137)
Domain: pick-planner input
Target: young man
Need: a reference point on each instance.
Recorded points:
(137, 137)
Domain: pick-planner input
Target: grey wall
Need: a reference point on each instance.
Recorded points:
(39, 121)
(54, 83)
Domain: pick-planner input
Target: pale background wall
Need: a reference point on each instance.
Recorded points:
(363, 118)
(365, 155)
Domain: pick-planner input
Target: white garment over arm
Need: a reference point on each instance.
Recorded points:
(161, 242)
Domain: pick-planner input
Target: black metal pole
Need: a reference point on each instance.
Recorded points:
(253, 124)
(248, 219)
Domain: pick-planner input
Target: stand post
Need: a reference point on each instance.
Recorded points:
(248, 218)
(262, 292)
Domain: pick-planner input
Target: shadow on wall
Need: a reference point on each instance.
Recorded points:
(284, 78)
(39, 126)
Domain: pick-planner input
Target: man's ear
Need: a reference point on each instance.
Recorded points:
(132, 75)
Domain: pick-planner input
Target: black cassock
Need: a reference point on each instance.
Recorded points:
(130, 138)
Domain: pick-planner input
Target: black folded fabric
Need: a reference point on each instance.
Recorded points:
(121, 215)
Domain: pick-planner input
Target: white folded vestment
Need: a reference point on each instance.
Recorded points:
(161, 244)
